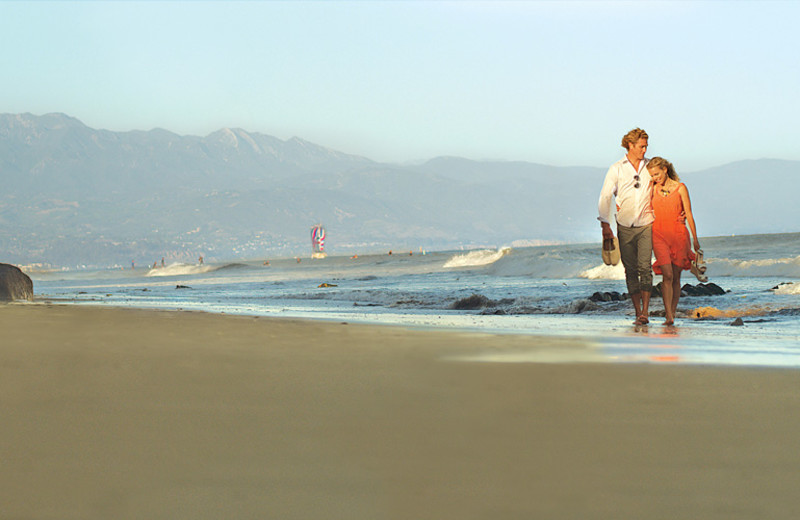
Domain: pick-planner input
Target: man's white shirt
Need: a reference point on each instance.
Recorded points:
(634, 208)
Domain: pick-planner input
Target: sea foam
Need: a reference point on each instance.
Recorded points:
(604, 272)
(788, 267)
(477, 258)
(790, 288)
(178, 269)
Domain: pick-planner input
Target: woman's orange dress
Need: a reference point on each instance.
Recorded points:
(670, 237)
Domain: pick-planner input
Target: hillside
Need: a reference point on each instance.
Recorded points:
(74, 195)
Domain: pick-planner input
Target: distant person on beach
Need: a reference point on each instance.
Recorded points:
(628, 181)
(673, 210)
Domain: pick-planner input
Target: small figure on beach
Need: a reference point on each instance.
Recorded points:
(200, 260)
(673, 211)
(628, 181)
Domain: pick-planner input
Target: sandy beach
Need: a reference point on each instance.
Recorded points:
(134, 414)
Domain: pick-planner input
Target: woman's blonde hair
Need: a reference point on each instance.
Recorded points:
(633, 137)
(660, 162)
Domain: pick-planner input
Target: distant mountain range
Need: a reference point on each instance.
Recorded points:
(74, 195)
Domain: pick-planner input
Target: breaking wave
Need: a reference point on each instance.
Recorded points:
(788, 288)
(788, 267)
(178, 269)
(477, 258)
(604, 272)
(770, 267)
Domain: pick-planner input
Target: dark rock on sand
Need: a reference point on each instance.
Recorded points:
(577, 307)
(473, 302)
(738, 322)
(14, 284)
(701, 289)
(612, 296)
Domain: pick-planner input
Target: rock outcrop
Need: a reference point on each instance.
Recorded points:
(701, 289)
(14, 284)
(612, 296)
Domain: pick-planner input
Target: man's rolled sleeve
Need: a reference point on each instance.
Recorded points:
(606, 196)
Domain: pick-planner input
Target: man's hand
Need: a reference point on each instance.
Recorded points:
(607, 233)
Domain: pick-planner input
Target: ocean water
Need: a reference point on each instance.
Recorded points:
(542, 290)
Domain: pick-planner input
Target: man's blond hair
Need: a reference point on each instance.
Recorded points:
(633, 137)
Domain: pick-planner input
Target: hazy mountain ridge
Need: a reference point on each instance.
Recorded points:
(752, 196)
(58, 148)
(77, 195)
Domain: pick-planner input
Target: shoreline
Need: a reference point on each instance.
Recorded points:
(612, 338)
(130, 413)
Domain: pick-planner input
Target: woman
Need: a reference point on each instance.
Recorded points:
(672, 208)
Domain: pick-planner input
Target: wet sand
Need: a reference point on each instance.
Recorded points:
(132, 414)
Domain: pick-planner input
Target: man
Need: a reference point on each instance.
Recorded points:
(629, 182)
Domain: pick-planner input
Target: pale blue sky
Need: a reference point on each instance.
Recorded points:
(550, 82)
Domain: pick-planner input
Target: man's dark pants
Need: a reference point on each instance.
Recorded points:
(636, 250)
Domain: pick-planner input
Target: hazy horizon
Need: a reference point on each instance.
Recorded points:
(399, 162)
(75, 192)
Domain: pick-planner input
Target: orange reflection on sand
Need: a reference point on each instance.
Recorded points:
(670, 332)
(666, 359)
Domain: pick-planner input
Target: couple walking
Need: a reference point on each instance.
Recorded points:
(653, 208)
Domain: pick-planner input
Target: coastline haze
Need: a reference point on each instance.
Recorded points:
(77, 195)
(456, 122)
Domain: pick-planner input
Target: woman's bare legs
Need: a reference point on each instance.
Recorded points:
(676, 288)
(667, 290)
